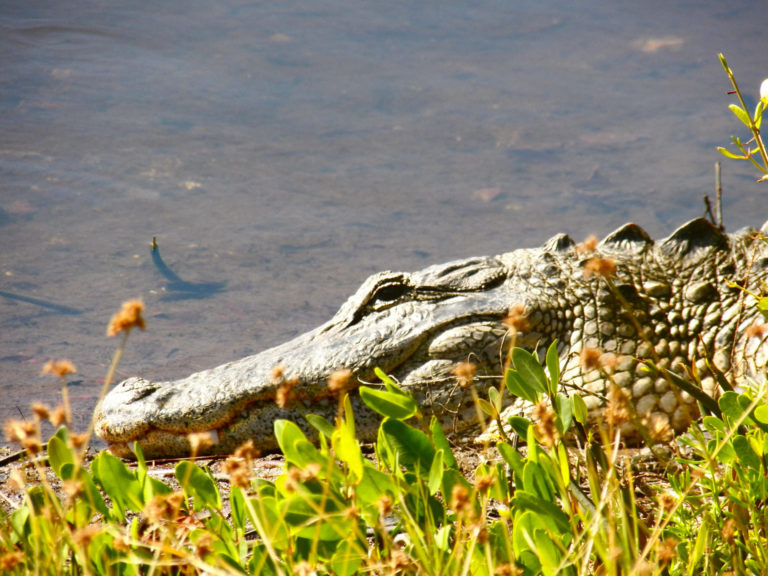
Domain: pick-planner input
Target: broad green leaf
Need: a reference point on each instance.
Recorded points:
(746, 454)
(520, 425)
(348, 558)
(550, 514)
(487, 407)
(761, 414)
(374, 485)
(553, 365)
(346, 446)
(59, 454)
(527, 365)
(266, 516)
(316, 516)
(118, 482)
(441, 443)
(90, 495)
(494, 397)
(320, 424)
(388, 382)
(579, 409)
(396, 405)
(199, 485)
(412, 447)
(294, 444)
(239, 509)
(731, 407)
(741, 114)
(537, 481)
(518, 386)
(436, 473)
(514, 461)
(564, 412)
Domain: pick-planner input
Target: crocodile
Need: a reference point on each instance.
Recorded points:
(687, 302)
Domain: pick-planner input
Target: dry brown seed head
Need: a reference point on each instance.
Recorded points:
(384, 505)
(465, 373)
(659, 428)
(129, 317)
(17, 480)
(72, 488)
(483, 483)
(757, 330)
(199, 441)
(58, 416)
(20, 430)
(339, 381)
(41, 411)
(588, 245)
(517, 319)
(11, 560)
(59, 368)
(507, 570)
(83, 536)
(617, 410)
(545, 425)
(590, 358)
(667, 501)
(77, 440)
(729, 531)
(284, 394)
(247, 450)
(605, 267)
(666, 551)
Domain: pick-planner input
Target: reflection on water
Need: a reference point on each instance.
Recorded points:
(281, 152)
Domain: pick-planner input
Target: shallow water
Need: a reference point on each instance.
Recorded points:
(287, 150)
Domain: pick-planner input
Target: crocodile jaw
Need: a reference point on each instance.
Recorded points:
(236, 402)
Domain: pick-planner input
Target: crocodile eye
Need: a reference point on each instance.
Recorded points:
(389, 292)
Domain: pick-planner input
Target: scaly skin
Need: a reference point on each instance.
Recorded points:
(418, 326)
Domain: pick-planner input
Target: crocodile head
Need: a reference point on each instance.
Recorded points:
(414, 326)
(679, 302)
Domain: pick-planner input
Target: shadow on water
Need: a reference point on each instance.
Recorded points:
(61, 309)
(178, 289)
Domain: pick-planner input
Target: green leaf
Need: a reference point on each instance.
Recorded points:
(564, 411)
(746, 454)
(199, 485)
(537, 481)
(549, 513)
(265, 515)
(118, 482)
(346, 446)
(741, 114)
(520, 425)
(519, 388)
(553, 365)
(728, 154)
(348, 558)
(579, 409)
(320, 424)
(59, 453)
(388, 382)
(436, 473)
(396, 405)
(527, 365)
(412, 447)
(316, 516)
(513, 459)
(374, 485)
(294, 444)
(761, 414)
(441, 443)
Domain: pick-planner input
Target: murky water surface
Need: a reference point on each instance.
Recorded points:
(286, 150)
